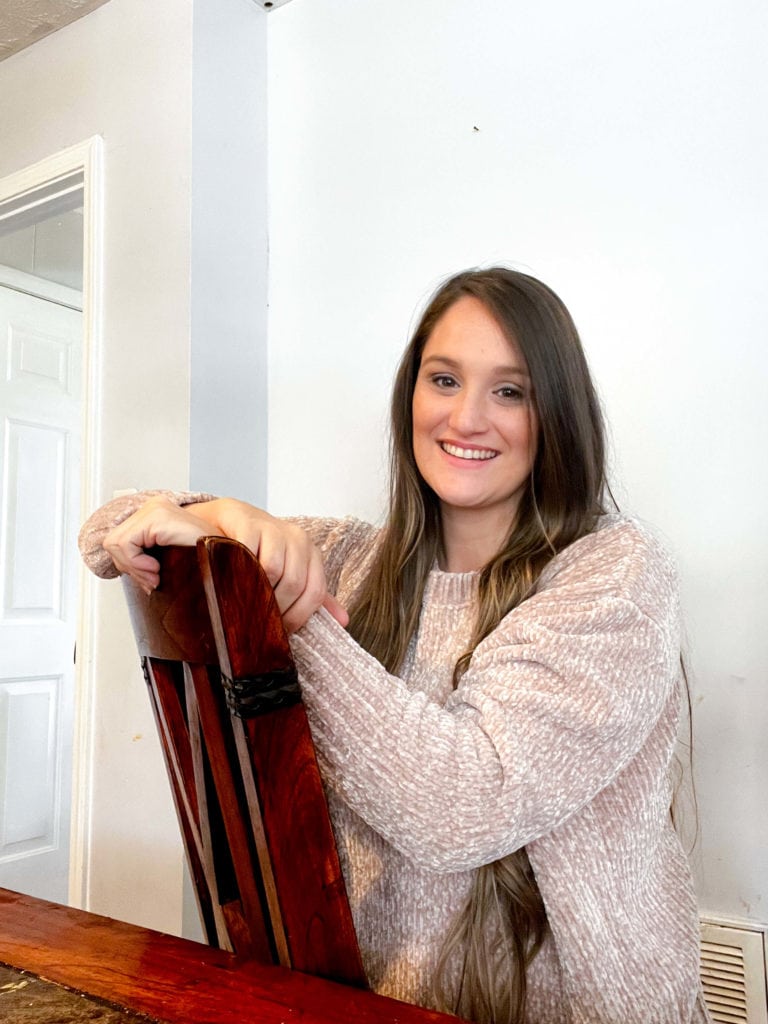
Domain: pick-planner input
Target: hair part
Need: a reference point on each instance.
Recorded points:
(504, 923)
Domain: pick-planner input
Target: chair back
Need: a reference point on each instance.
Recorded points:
(241, 762)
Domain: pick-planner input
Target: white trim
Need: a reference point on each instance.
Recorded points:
(54, 197)
(30, 284)
(82, 748)
(68, 161)
(85, 157)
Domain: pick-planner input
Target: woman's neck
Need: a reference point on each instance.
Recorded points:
(470, 542)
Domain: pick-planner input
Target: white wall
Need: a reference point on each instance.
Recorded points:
(150, 79)
(123, 77)
(618, 152)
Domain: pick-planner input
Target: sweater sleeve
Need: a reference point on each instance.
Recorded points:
(554, 705)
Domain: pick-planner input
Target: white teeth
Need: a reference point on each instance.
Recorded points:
(468, 453)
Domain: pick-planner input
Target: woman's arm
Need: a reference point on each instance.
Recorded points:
(554, 706)
(293, 564)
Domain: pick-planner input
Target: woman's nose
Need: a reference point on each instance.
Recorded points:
(467, 415)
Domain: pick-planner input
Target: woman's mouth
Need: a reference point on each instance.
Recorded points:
(480, 454)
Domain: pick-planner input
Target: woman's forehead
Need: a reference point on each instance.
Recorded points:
(468, 329)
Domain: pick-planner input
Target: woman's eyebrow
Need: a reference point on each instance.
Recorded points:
(511, 369)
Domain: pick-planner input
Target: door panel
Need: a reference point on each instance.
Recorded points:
(35, 520)
(29, 722)
(39, 499)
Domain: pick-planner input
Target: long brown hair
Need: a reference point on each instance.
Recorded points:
(504, 923)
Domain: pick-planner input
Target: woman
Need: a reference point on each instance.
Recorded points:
(497, 721)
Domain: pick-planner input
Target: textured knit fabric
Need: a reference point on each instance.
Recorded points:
(558, 738)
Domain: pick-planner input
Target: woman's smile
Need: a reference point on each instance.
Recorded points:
(468, 453)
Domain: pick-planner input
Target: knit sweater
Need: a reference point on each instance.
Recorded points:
(558, 738)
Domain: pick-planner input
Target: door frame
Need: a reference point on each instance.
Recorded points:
(85, 157)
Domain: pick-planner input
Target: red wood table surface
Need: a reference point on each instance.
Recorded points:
(176, 981)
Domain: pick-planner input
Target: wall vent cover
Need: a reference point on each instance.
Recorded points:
(733, 972)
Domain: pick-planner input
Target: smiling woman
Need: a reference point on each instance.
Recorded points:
(496, 715)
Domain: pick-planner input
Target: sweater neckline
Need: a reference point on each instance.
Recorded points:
(451, 588)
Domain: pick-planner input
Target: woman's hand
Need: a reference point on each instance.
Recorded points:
(158, 522)
(290, 560)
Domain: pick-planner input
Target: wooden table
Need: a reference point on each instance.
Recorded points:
(174, 981)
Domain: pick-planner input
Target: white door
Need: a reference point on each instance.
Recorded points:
(40, 415)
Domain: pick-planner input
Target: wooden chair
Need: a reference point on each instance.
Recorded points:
(241, 762)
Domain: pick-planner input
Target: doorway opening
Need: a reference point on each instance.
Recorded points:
(47, 275)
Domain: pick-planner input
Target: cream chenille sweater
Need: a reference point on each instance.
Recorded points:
(558, 738)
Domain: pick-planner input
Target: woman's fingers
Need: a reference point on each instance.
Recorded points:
(146, 571)
(337, 610)
(295, 569)
(158, 521)
(283, 550)
(302, 588)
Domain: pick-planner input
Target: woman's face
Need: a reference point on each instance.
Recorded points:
(474, 422)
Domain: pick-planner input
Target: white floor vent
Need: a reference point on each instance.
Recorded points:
(733, 971)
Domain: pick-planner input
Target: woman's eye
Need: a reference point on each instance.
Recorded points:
(511, 393)
(444, 380)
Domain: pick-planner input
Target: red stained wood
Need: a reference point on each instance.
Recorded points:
(248, 791)
(313, 901)
(181, 763)
(176, 981)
